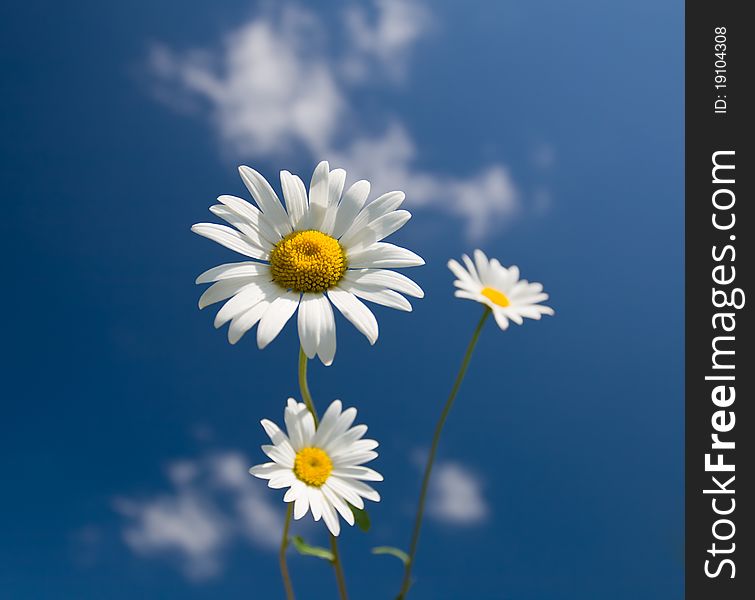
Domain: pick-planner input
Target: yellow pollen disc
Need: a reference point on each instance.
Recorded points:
(312, 466)
(495, 296)
(307, 261)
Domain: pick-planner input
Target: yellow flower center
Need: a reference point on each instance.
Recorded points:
(312, 466)
(307, 261)
(495, 296)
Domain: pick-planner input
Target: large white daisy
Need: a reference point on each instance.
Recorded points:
(320, 466)
(499, 288)
(321, 248)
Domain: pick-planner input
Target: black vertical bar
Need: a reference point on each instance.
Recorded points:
(720, 561)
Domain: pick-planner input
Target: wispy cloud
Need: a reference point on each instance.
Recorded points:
(212, 503)
(456, 495)
(277, 86)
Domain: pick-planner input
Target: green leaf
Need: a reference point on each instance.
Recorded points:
(361, 518)
(304, 548)
(398, 553)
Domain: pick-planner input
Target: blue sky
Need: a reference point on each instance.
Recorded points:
(550, 135)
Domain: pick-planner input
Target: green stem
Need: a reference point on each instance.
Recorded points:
(340, 579)
(304, 386)
(407, 581)
(307, 397)
(282, 556)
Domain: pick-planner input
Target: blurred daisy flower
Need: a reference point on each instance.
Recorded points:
(323, 247)
(320, 466)
(499, 288)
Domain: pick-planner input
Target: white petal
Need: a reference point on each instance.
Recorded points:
(382, 278)
(338, 504)
(318, 195)
(376, 230)
(327, 347)
(352, 435)
(362, 489)
(223, 289)
(387, 298)
(384, 255)
(501, 319)
(230, 238)
(275, 433)
(342, 423)
(342, 488)
(481, 262)
(276, 316)
(233, 270)
(355, 311)
(252, 215)
(329, 515)
(300, 425)
(310, 321)
(243, 300)
(357, 472)
(280, 454)
(266, 470)
(342, 446)
(315, 502)
(285, 478)
(252, 233)
(301, 506)
(377, 208)
(296, 197)
(266, 199)
(335, 189)
(470, 295)
(337, 179)
(352, 458)
(327, 423)
(470, 267)
(245, 321)
(296, 490)
(462, 273)
(351, 203)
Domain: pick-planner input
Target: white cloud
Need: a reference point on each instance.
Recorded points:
(456, 495)
(385, 43)
(267, 90)
(213, 503)
(277, 87)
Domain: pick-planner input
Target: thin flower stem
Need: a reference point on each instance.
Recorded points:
(304, 386)
(282, 556)
(338, 568)
(407, 581)
(307, 397)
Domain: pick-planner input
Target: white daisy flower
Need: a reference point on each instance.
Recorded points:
(321, 248)
(320, 466)
(499, 288)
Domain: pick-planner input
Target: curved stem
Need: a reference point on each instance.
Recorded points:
(282, 556)
(304, 386)
(307, 397)
(407, 581)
